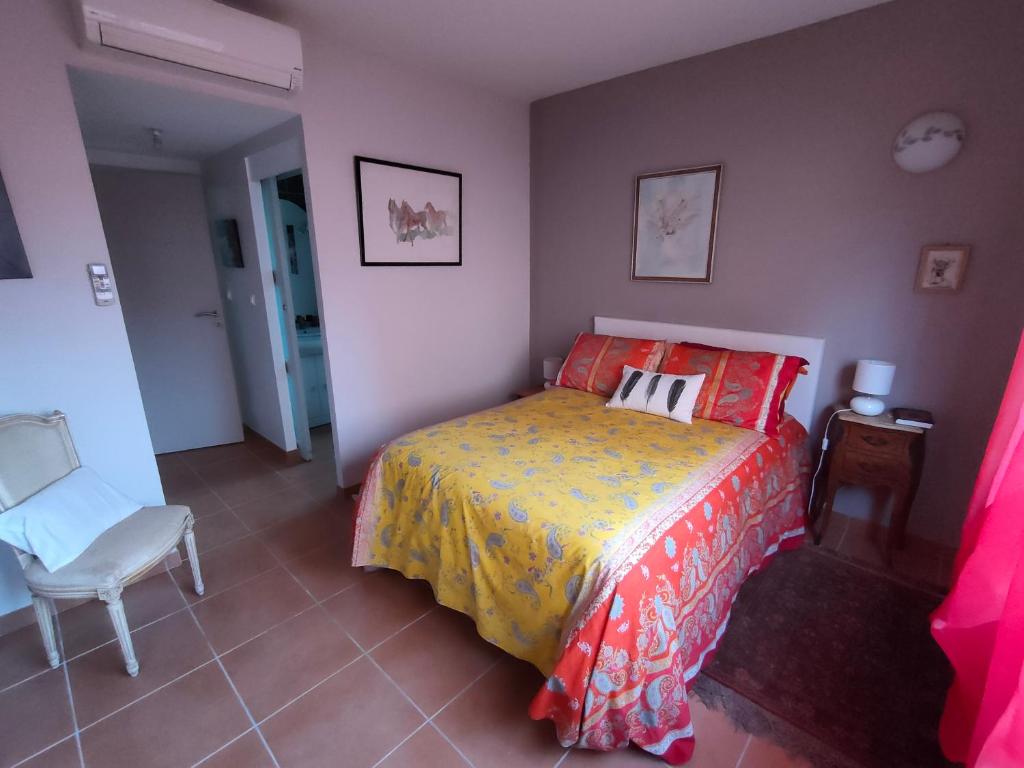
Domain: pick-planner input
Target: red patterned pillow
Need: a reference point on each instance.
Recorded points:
(595, 361)
(748, 389)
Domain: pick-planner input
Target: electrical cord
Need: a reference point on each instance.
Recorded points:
(821, 457)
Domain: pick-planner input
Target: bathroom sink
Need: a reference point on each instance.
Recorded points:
(310, 344)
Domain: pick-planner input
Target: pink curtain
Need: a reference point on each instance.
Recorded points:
(980, 625)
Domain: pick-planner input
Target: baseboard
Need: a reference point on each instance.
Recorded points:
(23, 617)
(260, 445)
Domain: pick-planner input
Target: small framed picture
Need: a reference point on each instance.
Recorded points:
(227, 243)
(942, 268)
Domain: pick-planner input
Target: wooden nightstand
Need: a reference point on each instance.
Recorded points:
(527, 391)
(876, 452)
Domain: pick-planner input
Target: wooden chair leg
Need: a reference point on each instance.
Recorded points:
(116, 610)
(44, 616)
(193, 559)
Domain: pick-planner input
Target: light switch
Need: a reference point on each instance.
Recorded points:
(252, 299)
(102, 289)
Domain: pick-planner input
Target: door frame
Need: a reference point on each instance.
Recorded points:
(262, 169)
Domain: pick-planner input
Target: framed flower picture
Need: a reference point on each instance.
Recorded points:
(942, 267)
(675, 215)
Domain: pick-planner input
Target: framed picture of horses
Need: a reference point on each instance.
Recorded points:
(409, 216)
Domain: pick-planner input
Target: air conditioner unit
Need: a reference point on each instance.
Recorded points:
(201, 34)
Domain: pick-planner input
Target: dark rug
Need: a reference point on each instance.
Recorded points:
(839, 652)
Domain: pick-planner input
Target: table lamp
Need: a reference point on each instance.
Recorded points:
(873, 377)
(552, 365)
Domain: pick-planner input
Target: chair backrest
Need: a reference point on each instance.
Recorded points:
(34, 452)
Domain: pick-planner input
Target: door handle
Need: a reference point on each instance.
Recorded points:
(213, 314)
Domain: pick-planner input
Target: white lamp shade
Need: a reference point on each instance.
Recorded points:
(551, 367)
(928, 142)
(873, 377)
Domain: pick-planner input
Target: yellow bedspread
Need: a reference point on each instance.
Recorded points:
(512, 512)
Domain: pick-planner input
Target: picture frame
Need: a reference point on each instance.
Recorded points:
(941, 268)
(227, 243)
(675, 223)
(408, 215)
(13, 258)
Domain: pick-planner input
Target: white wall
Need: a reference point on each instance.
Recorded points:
(407, 345)
(248, 293)
(410, 345)
(58, 349)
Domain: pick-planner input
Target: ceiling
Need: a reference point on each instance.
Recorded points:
(117, 113)
(528, 49)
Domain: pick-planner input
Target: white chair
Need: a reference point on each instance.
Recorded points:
(36, 451)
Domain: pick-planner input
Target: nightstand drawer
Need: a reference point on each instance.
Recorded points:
(877, 441)
(869, 469)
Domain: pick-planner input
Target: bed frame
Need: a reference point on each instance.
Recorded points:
(800, 404)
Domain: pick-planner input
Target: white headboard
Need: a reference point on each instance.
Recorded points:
(800, 404)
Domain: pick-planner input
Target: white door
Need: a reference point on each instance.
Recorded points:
(286, 315)
(162, 260)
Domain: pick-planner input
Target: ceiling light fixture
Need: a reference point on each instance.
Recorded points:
(929, 142)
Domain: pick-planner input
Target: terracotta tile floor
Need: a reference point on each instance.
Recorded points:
(924, 563)
(292, 658)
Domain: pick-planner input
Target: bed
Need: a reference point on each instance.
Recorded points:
(603, 546)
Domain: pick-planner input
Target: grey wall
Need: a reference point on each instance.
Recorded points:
(819, 232)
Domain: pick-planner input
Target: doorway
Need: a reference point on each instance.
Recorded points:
(204, 261)
(291, 258)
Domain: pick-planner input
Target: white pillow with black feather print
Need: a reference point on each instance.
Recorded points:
(659, 394)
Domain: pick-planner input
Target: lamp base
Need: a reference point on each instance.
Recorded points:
(866, 405)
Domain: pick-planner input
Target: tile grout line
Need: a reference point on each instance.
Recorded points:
(417, 707)
(223, 746)
(80, 654)
(76, 733)
(210, 660)
(223, 670)
(24, 680)
(71, 702)
(317, 603)
(367, 654)
(563, 758)
(44, 750)
(842, 536)
(67, 682)
(340, 669)
(194, 669)
(399, 745)
(743, 752)
(159, 688)
(451, 743)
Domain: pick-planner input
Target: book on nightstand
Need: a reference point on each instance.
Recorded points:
(913, 417)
